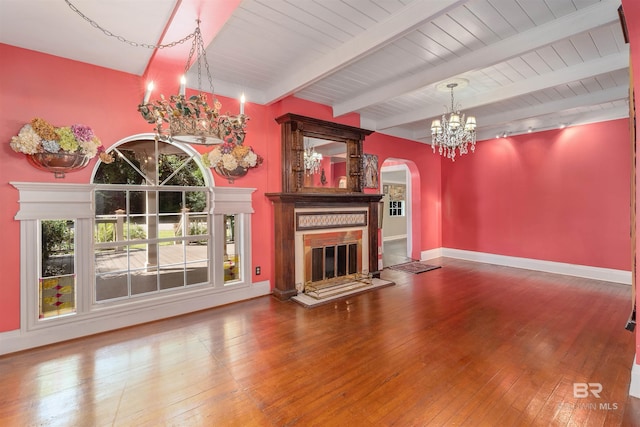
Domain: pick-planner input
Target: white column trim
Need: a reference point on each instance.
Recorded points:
(634, 384)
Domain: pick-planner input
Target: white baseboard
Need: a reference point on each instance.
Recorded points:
(634, 385)
(430, 254)
(597, 273)
(19, 340)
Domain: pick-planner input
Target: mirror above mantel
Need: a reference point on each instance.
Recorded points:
(336, 148)
(325, 163)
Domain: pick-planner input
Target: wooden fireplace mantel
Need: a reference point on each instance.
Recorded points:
(284, 213)
(297, 194)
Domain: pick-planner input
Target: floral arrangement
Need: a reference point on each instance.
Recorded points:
(231, 156)
(39, 136)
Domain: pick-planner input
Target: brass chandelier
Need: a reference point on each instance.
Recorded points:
(190, 120)
(194, 120)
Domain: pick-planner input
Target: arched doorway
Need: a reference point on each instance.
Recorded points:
(400, 225)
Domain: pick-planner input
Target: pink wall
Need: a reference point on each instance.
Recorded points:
(632, 16)
(560, 195)
(63, 92)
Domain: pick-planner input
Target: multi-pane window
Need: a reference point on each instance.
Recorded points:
(152, 226)
(153, 240)
(396, 208)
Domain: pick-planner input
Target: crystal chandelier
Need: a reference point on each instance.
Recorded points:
(453, 132)
(312, 160)
(193, 120)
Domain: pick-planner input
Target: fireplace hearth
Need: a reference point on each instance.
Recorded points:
(337, 286)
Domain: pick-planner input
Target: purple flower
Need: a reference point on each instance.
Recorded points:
(82, 133)
(227, 147)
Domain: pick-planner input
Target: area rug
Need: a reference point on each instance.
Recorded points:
(309, 301)
(415, 267)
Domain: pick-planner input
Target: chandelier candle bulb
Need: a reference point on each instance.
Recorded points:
(242, 100)
(183, 84)
(436, 126)
(147, 93)
(471, 123)
(454, 121)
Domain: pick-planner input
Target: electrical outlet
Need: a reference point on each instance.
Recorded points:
(258, 271)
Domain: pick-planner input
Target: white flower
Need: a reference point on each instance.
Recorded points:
(229, 162)
(215, 156)
(89, 148)
(27, 141)
(251, 159)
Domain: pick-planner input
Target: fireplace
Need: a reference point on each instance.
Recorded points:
(338, 222)
(333, 264)
(339, 232)
(329, 244)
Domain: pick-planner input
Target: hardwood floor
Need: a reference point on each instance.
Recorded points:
(468, 344)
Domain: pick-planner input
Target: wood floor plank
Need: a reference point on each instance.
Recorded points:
(468, 344)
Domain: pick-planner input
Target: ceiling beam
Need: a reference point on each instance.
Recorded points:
(375, 38)
(583, 20)
(577, 119)
(522, 126)
(167, 65)
(608, 95)
(577, 72)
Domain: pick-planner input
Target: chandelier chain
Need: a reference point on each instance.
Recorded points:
(452, 107)
(123, 39)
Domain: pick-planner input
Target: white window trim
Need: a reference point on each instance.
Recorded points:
(50, 201)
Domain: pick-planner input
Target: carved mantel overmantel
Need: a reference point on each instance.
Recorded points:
(299, 192)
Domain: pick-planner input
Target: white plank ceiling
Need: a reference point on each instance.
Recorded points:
(528, 64)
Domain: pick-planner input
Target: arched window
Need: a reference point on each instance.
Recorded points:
(152, 222)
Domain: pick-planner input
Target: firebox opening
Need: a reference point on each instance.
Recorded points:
(332, 256)
(334, 261)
